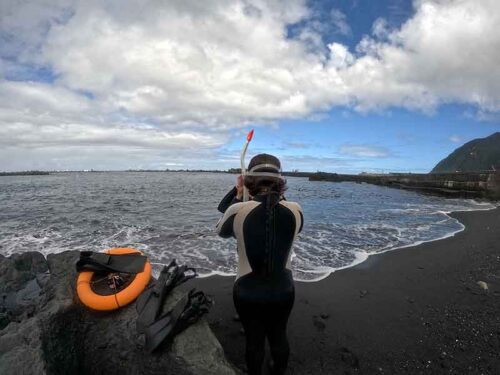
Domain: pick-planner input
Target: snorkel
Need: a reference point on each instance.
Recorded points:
(242, 161)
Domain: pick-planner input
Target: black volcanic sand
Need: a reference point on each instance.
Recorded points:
(417, 310)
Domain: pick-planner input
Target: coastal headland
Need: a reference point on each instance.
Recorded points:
(427, 309)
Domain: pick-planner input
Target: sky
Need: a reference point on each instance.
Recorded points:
(340, 85)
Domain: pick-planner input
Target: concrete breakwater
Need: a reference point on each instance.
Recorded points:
(485, 185)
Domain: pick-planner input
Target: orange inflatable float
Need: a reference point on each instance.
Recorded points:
(96, 301)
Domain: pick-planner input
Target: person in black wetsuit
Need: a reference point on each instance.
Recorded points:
(265, 228)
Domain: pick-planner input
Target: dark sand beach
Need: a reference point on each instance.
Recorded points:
(417, 310)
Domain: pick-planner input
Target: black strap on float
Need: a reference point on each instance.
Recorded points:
(101, 262)
(116, 290)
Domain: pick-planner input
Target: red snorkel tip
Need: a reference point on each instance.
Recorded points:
(249, 135)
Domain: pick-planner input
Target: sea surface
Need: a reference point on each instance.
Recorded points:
(173, 215)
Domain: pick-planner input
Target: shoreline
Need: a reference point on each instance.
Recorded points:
(382, 251)
(415, 311)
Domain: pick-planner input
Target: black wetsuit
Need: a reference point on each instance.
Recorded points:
(263, 292)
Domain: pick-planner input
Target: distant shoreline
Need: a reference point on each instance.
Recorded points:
(229, 171)
(25, 173)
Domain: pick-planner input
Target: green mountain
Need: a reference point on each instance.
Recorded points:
(482, 154)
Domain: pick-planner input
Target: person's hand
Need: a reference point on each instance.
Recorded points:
(239, 187)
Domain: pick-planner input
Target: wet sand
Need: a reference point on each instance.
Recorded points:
(418, 310)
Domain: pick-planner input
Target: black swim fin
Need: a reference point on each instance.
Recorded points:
(150, 302)
(101, 262)
(159, 330)
(186, 312)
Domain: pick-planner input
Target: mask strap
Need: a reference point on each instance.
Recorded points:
(265, 174)
(268, 166)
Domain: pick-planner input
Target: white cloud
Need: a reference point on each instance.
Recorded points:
(183, 74)
(314, 163)
(364, 151)
(447, 52)
(50, 127)
(456, 138)
(339, 20)
(298, 144)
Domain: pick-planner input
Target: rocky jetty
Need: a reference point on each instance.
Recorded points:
(484, 185)
(44, 329)
(471, 171)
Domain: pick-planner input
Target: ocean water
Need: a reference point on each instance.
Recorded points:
(173, 215)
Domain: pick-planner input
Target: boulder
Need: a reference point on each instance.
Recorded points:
(44, 329)
(22, 277)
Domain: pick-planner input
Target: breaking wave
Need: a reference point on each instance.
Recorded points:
(170, 215)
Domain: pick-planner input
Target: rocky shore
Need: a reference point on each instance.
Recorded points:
(44, 329)
(429, 309)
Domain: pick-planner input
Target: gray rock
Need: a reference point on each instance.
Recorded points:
(22, 277)
(60, 336)
(16, 270)
(20, 349)
(202, 356)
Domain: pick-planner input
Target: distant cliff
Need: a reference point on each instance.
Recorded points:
(482, 154)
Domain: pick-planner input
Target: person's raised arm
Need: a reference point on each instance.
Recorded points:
(235, 195)
(229, 206)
